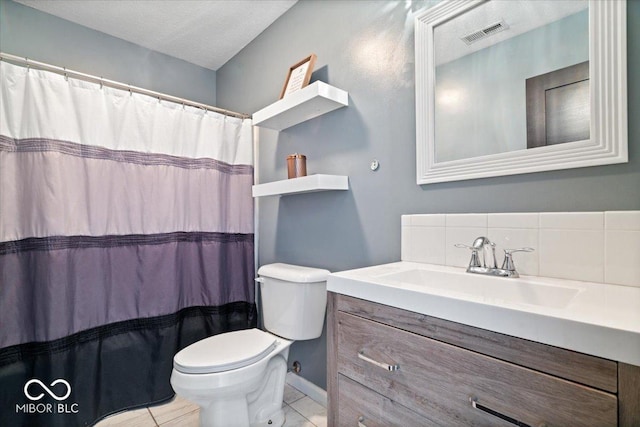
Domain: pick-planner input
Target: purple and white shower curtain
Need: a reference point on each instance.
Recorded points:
(126, 233)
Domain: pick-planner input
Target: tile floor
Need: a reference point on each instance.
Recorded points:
(300, 411)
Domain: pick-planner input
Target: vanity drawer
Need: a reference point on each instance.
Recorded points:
(577, 367)
(439, 381)
(360, 406)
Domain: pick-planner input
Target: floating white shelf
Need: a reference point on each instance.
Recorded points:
(312, 101)
(305, 184)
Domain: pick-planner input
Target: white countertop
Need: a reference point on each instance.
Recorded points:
(601, 319)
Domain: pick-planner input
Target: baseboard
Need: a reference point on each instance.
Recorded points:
(307, 387)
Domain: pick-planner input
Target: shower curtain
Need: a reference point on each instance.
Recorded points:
(126, 233)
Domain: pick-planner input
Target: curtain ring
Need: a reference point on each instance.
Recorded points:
(66, 76)
(101, 83)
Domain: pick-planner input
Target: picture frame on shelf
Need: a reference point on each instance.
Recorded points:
(298, 76)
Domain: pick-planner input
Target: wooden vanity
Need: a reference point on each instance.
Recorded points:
(393, 367)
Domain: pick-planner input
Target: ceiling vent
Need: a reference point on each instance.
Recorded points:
(485, 32)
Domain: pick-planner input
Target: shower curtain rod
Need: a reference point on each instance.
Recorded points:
(117, 85)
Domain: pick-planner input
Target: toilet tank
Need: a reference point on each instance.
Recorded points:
(294, 300)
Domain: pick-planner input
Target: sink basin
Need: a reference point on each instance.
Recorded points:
(587, 317)
(489, 289)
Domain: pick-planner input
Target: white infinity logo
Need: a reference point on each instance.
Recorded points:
(47, 389)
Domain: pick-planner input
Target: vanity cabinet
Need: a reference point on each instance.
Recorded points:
(392, 367)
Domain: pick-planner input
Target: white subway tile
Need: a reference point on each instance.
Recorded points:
(466, 220)
(622, 257)
(622, 220)
(590, 246)
(405, 243)
(572, 254)
(428, 245)
(432, 220)
(513, 220)
(572, 220)
(514, 238)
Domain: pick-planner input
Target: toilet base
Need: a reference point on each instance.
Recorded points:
(260, 408)
(251, 396)
(265, 404)
(277, 419)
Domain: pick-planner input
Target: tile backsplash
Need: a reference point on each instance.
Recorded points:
(588, 246)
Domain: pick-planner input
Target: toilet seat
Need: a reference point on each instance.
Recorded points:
(224, 352)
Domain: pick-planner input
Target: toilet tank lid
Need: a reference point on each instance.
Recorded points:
(293, 273)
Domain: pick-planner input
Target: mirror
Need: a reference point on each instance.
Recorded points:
(509, 87)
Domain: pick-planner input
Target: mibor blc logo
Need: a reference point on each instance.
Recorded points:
(35, 390)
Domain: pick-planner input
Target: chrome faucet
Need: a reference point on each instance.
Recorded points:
(482, 243)
(508, 268)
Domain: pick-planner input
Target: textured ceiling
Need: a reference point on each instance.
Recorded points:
(204, 32)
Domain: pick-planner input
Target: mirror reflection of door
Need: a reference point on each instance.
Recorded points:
(558, 106)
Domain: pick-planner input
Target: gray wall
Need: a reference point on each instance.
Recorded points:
(42, 37)
(366, 48)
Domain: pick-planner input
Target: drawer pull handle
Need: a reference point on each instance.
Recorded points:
(361, 421)
(385, 366)
(476, 405)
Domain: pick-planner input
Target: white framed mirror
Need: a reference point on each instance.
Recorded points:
(519, 86)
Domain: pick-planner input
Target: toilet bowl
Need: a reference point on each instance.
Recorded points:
(243, 389)
(237, 378)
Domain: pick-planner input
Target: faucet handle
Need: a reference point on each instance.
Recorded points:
(463, 246)
(475, 261)
(510, 251)
(508, 258)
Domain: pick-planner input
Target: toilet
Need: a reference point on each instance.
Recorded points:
(237, 378)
